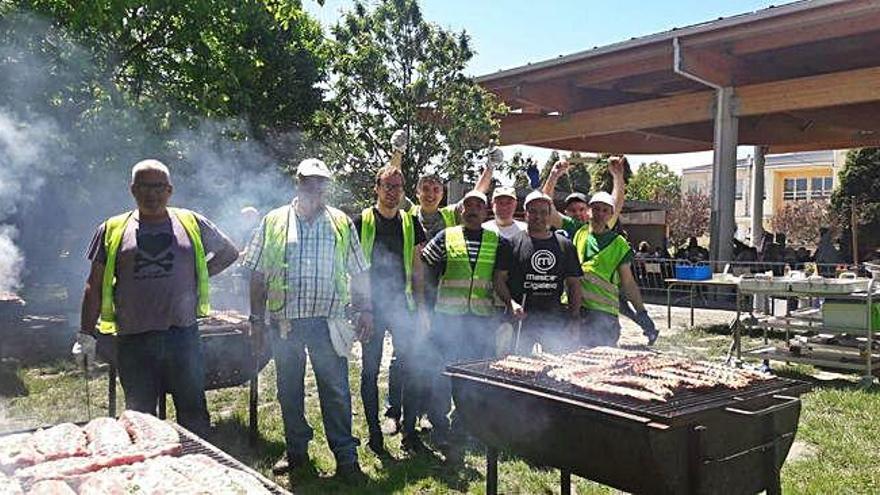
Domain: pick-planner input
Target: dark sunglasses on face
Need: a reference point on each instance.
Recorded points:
(152, 186)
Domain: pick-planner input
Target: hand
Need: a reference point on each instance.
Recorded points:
(617, 165)
(494, 157)
(560, 168)
(649, 330)
(364, 327)
(399, 141)
(84, 349)
(517, 311)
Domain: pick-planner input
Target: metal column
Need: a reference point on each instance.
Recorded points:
(757, 210)
(724, 176)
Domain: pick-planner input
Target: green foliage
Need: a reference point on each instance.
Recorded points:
(517, 166)
(654, 182)
(578, 177)
(600, 177)
(393, 69)
(860, 179)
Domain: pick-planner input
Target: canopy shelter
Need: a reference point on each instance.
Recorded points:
(803, 76)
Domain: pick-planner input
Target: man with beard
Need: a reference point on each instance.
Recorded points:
(392, 241)
(544, 265)
(149, 283)
(472, 265)
(605, 258)
(307, 265)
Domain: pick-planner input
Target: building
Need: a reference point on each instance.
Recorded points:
(787, 177)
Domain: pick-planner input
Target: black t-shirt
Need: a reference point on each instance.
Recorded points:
(539, 269)
(386, 265)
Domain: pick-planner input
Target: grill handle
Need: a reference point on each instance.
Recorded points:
(786, 401)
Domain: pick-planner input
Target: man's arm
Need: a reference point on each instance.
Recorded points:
(630, 287)
(215, 241)
(418, 276)
(616, 167)
(484, 183)
(575, 296)
(91, 302)
(499, 280)
(549, 188)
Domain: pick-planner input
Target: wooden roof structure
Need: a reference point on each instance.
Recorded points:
(805, 76)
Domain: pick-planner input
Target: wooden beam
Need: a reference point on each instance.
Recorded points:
(628, 142)
(709, 65)
(600, 75)
(828, 90)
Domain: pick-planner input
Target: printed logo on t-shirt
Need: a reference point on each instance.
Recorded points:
(543, 261)
(154, 258)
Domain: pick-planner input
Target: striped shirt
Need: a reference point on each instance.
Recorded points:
(434, 253)
(311, 247)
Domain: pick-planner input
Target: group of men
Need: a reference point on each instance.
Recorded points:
(447, 284)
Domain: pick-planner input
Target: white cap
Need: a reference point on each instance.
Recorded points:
(535, 195)
(504, 191)
(602, 197)
(475, 194)
(312, 167)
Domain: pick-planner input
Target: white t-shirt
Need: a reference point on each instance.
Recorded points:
(506, 232)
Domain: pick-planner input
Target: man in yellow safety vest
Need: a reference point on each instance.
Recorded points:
(148, 284)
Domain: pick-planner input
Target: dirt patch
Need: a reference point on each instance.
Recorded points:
(801, 451)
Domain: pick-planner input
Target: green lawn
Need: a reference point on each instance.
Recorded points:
(839, 420)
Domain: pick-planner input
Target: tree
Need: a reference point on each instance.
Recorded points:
(859, 179)
(601, 178)
(688, 217)
(578, 177)
(800, 221)
(392, 69)
(654, 182)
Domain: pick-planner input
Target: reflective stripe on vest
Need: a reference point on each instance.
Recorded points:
(447, 212)
(464, 290)
(368, 238)
(114, 231)
(277, 225)
(600, 282)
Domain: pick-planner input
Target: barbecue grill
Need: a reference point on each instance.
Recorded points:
(229, 360)
(715, 441)
(190, 443)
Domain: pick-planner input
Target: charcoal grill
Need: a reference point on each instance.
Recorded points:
(229, 361)
(716, 441)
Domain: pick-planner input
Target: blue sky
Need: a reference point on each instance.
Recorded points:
(511, 33)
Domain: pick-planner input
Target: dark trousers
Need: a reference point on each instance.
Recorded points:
(454, 339)
(331, 375)
(162, 361)
(405, 387)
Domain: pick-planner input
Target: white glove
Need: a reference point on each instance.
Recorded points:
(84, 348)
(399, 141)
(495, 156)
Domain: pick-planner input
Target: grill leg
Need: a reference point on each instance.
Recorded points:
(491, 471)
(565, 482)
(695, 458)
(252, 410)
(111, 391)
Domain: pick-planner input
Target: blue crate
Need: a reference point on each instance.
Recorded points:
(696, 272)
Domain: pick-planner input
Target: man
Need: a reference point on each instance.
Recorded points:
(577, 207)
(392, 241)
(605, 260)
(302, 258)
(471, 264)
(149, 283)
(571, 223)
(544, 265)
(503, 206)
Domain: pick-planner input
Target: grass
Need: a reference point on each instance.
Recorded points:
(839, 420)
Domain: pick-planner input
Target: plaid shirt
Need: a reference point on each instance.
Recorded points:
(311, 289)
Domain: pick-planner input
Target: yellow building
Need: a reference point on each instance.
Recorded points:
(787, 177)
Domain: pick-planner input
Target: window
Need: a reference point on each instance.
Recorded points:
(794, 189)
(820, 187)
(740, 185)
(694, 187)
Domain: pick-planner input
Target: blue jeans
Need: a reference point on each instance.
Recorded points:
(161, 361)
(331, 375)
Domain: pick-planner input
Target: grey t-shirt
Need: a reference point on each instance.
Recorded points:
(155, 272)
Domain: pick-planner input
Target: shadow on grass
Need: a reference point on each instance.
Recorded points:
(11, 384)
(233, 437)
(817, 383)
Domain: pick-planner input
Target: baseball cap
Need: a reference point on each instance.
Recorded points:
(312, 167)
(536, 195)
(504, 191)
(602, 197)
(475, 194)
(576, 196)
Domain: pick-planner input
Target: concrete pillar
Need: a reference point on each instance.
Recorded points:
(723, 220)
(757, 181)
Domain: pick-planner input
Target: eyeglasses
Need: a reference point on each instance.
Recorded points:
(152, 186)
(391, 187)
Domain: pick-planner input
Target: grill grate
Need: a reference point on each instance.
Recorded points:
(683, 403)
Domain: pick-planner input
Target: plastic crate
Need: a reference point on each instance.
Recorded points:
(695, 272)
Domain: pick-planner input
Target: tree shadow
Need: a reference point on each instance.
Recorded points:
(11, 384)
(818, 383)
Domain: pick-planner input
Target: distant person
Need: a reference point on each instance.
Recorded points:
(694, 252)
(149, 284)
(644, 250)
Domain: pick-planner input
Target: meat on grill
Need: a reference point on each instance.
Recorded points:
(146, 429)
(51, 487)
(17, 451)
(60, 441)
(642, 375)
(9, 486)
(106, 435)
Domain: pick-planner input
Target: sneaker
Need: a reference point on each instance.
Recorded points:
(652, 336)
(413, 444)
(289, 462)
(390, 426)
(351, 474)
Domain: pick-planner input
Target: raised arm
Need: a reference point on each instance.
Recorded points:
(616, 166)
(560, 168)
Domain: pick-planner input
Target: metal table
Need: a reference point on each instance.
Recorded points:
(717, 280)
